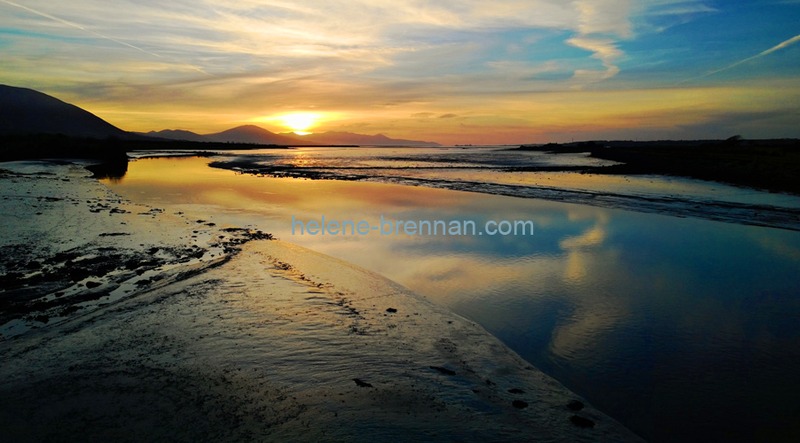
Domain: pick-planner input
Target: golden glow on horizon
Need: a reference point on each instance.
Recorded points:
(298, 122)
(535, 117)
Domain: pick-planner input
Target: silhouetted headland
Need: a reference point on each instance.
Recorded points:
(773, 165)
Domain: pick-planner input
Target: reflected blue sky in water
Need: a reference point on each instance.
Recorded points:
(657, 320)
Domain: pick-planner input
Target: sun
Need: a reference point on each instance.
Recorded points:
(299, 122)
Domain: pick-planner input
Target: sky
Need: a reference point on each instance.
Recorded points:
(454, 72)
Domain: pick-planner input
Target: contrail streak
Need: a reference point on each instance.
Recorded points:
(77, 26)
(779, 46)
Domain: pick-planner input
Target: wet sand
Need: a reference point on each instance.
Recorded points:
(189, 330)
(70, 245)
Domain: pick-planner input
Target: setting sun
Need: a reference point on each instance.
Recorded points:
(299, 122)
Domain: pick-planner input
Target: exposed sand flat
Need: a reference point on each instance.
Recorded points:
(70, 245)
(278, 343)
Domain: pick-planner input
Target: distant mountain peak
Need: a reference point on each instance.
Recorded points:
(253, 134)
(252, 128)
(176, 134)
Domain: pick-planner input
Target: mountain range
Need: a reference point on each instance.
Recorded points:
(28, 112)
(349, 138)
(256, 134)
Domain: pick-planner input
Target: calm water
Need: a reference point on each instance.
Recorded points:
(681, 328)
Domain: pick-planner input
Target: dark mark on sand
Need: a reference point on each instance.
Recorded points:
(581, 422)
(362, 384)
(575, 405)
(444, 371)
(519, 404)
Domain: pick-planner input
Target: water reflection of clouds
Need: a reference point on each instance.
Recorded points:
(568, 260)
(592, 237)
(778, 246)
(577, 262)
(587, 261)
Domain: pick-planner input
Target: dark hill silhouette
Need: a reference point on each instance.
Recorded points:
(349, 138)
(253, 134)
(176, 134)
(27, 112)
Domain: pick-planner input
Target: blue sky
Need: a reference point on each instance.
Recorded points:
(502, 72)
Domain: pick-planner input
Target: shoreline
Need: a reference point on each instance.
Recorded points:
(763, 215)
(262, 340)
(768, 165)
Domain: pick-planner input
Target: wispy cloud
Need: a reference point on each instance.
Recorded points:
(604, 17)
(604, 50)
(666, 14)
(601, 22)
